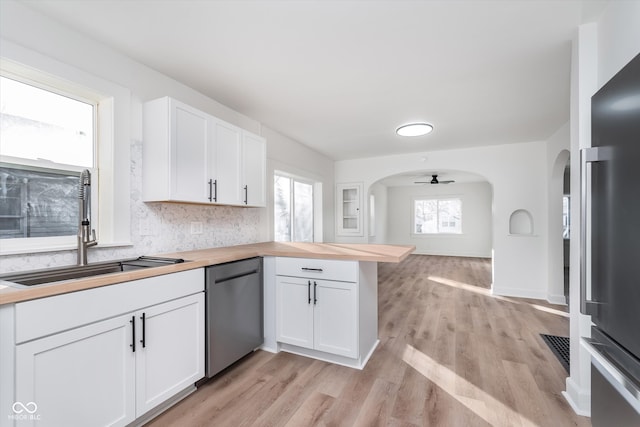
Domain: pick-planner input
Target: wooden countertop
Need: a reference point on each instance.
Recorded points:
(206, 257)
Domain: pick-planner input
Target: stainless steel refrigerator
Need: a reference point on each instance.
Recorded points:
(611, 249)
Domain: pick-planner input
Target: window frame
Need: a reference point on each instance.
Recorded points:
(436, 199)
(112, 199)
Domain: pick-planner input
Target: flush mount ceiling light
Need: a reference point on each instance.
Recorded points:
(414, 129)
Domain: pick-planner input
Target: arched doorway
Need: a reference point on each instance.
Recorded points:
(408, 208)
(559, 230)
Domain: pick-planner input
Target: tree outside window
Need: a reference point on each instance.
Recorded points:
(437, 216)
(293, 209)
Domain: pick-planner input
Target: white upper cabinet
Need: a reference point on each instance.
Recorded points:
(254, 167)
(227, 171)
(190, 156)
(174, 153)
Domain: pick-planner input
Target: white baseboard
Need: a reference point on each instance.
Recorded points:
(578, 398)
(557, 299)
(519, 292)
(464, 255)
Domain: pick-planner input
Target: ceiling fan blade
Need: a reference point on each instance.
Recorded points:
(446, 182)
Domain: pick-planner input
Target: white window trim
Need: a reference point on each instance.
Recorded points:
(413, 216)
(113, 149)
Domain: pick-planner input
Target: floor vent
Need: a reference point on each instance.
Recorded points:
(560, 347)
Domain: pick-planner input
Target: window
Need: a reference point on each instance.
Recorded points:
(47, 139)
(434, 216)
(566, 217)
(109, 158)
(293, 209)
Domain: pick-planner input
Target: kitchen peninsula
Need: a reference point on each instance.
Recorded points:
(319, 300)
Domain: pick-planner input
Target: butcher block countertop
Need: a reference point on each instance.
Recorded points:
(205, 257)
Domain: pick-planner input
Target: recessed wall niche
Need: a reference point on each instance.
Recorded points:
(521, 223)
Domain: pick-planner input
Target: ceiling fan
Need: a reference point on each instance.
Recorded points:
(434, 180)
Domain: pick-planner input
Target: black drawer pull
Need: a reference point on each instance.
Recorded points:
(133, 330)
(317, 270)
(144, 335)
(315, 294)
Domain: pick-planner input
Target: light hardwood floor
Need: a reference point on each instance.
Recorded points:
(450, 354)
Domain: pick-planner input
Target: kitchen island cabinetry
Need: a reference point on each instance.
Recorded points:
(190, 156)
(318, 314)
(109, 355)
(326, 309)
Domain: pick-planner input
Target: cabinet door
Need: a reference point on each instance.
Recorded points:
(254, 167)
(294, 308)
(228, 160)
(84, 376)
(170, 350)
(189, 139)
(335, 327)
(349, 209)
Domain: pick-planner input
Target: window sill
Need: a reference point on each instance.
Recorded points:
(423, 235)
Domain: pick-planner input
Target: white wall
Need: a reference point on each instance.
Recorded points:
(35, 33)
(379, 234)
(517, 173)
(600, 50)
(475, 240)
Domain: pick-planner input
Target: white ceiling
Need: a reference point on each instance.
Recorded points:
(340, 76)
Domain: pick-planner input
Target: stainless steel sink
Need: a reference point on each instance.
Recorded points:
(50, 275)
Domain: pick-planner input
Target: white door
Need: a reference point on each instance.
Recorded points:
(189, 129)
(82, 377)
(254, 155)
(335, 319)
(170, 350)
(228, 160)
(294, 308)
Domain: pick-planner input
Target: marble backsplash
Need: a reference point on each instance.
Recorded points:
(157, 228)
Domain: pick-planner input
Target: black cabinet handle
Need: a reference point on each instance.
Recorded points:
(213, 190)
(133, 330)
(246, 194)
(144, 335)
(315, 295)
(308, 291)
(317, 270)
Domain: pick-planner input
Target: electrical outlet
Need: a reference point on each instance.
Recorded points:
(196, 227)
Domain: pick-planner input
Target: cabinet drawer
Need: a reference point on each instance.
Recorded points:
(326, 269)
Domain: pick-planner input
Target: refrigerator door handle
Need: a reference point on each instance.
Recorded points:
(618, 379)
(587, 155)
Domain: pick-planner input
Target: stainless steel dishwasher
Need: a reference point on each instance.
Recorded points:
(234, 324)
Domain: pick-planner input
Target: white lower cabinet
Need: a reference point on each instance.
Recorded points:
(172, 355)
(335, 321)
(326, 309)
(82, 377)
(107, 356)
(318, 314)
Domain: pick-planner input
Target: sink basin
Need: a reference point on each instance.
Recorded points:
(50, 275)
